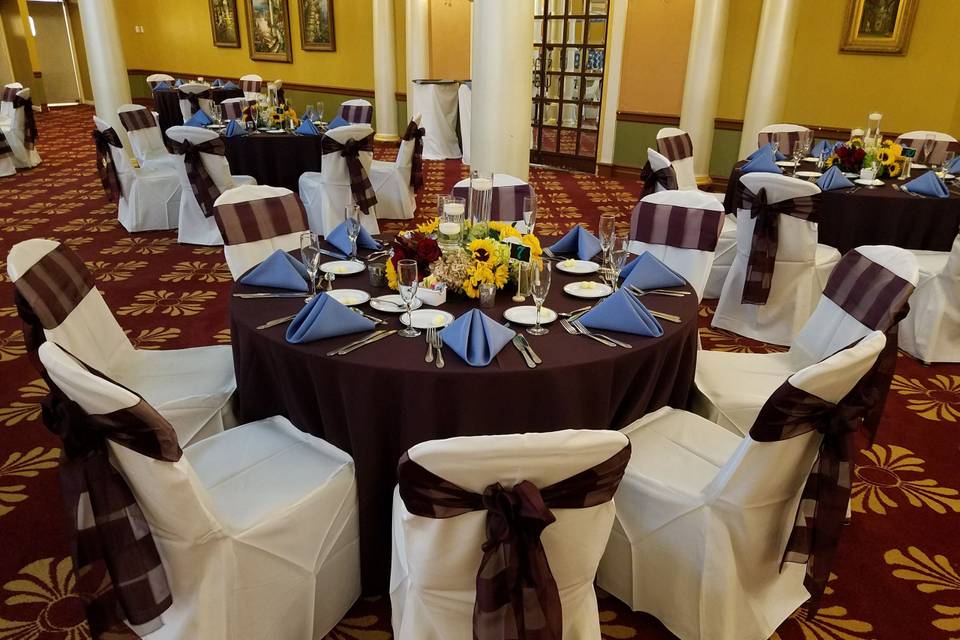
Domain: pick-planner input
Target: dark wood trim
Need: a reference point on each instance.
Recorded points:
(728, 124)
(733, 124)
(648, 118)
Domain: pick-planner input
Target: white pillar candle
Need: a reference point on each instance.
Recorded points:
(481, 184)
(449, 228)
(453, 207)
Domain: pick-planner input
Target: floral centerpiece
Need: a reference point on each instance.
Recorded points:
(890, 155)
(849, 156)
(853, 156)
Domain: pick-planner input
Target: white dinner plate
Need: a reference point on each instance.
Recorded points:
(379, 304)
(349, 297)
(811, 159)
(342, 267)
(917, 165)
(526, 315)
(949, 176)
(578, 267)
(869, 183)
(275, 131)
(428, 319)
(809, 174)
(588, 289)
(216, 126)
(786, 163)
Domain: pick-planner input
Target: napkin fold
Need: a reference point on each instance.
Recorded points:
(761, 160)
(833, 179)
(648, 272)
(341, 240)
(230, 84)
(163, 85)
(178, 83)
(928, 184)
(199, 119)
(767, 149)
(476, 337)
(622, 312)
(579, 241)
(821, 148)
(324, 317)
(337, 122)
(280, 270)
(954, 167)
(217, 83)
(235, 128)
(307, 128)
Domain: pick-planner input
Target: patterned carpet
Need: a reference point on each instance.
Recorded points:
(898, 572)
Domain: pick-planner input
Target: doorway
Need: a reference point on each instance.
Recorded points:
(569, 56)
(55, 48)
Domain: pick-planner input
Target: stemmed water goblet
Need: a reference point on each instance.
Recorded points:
(310, 256)
(408, 281)
(948, 158)
(799, 151)
(351, 214)
(607, 228)
(530, 212)
(539, 288)
(618, 256)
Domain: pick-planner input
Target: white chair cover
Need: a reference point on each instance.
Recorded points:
(241, 257)
(326, 194)
(465, 98)
(508, 194)
(195, 228)
(722, 258)
(437, 101)
(151, 197)
(256, 527)
(677, 154)
(944, 142)
(931, 331)
(251, 90)
(192, 388)
(780, 133)
(6, 107)
(703, 516)
(802, 268)
(156, 78)
(206, 104)
(14, 129)
(692, 264)
(433, 579)
(147, 144)
(396, 199)
(232, 108)
(356, 111)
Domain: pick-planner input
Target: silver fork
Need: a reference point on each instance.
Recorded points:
(438, 344)
(582, 329)
(569, 328)
(429, 356)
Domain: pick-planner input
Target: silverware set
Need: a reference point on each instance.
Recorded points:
(278, 321)
(669, 317)
(529, 355)
(257, 296)
(434, 345)
(897, 187)
(369, 339)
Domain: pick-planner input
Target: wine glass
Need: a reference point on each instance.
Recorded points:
(798, 153)
(608, 223)
(351, 214)
(310, 256)
(408, 281)
(618, 256)
(319, 111)
(929, 145)
(539, 288)
(530, 212)
(947, 161)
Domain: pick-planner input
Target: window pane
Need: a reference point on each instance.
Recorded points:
(537, 30)
(573, 59)
(595, 59)
(550, 112)
(571, 88)
(588, 144)
(593, 90)
(553, 58)
(598, 7)
(570, 116)
(556, 7)
(568, 141)
(553, 86)
(575, 31)
(538, 7)
(555, 30)
(598, 31)
(576, 7)
(591, 117)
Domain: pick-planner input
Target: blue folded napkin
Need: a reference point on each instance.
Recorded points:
(767, 149)
(199, 119)
(217, 83)
(929, 184)
(235, 128)
(762, 161)
(622, 312)
(833, 179)
(307, 128)
(647, 272)
(230, 84)
(163, 85)
(178, 83)
(476, 337)
(280, 270)
(324, 317)
(337, 122)
(821, 148)
(954, 167)
(341, 240)
(579, 241)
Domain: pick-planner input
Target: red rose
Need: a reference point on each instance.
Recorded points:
(427, 250)
(399, 253)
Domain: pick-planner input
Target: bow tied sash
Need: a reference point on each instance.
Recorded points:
(106, 167)
(360, 185)
(416, 134)
(766, 238)
(517, 595)
(665, 178)
(5, 149)
(194, 98)
(201, 182)
(30, 135)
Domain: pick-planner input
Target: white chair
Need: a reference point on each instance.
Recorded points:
(931, 331)
(10, 90)
(273, 230)
(722, 258)
(232, 108)
(326, 194)
(356, 111)
(437, 101)
(508, 194)
(205, 103)
(151, 196)
(785, 135)
(730, 388)
(396, 198)
(692, 215)
(433, 578)
(195, 227)
(156, 78)
(659, 162)
(465, 97)
(676, 146)
(146, 140)
(930, 145)
(24, 151)
(7, 167)
(192, 388)
(251, 85)
(256, 527)
(802, 268)
(703, 516)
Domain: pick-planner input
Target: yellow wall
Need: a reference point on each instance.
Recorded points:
(450, 37)
(742, 24)
(80, 47)
(16, 42)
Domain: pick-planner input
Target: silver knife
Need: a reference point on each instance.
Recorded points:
(526, 344)
(270, 295)
(333, 254)
(523, 352)
(273, 323)
(344, 352)
(355, 342)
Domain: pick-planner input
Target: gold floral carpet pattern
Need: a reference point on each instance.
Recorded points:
(898, 570)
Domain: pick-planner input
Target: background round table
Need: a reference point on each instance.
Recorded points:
(879, 215)
(382, 399)
(275, 159)
(167, 104)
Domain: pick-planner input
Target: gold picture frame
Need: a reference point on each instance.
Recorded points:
(316, 25)
(268, 30)
(878, 26)
(224, 23)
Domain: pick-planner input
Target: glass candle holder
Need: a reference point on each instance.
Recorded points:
(488, 295)
(451, 211)
(378, 274)
(481, 197)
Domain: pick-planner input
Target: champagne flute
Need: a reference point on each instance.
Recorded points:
(618, 257)
(352, 216)
(608, 223)
(948, 158)
(530, 212)
(408, 281)
(798, 153)
(310, 256)
(320, 111)
(539, 288)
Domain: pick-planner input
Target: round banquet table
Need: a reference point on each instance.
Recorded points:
(878, 215)
(378, 401)
(275, 159)
(167, 104)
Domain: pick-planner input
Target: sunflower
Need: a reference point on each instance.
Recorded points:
(504, 230)
(429, 227)
(484, 251)
(895, 169)
(391, 274)
(501, 276)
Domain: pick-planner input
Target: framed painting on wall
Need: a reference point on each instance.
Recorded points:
(316, 25)
(223, 21)
(268, 25)
(878, 26)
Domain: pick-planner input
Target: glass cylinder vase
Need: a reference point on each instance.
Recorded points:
(451, 212)
(481, 197)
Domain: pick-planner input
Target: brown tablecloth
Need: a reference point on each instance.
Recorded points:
(880, 215)
(380, 400)
(275, 159)
(167, 104)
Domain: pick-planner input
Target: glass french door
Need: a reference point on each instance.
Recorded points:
(569, 53)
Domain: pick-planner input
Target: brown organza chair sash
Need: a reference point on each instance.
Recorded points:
(676, 147)
(676, 226)
(201, 182)
(786, 140)
(665, 178)
(360, 185)
(251, 86)
(194, 98)
(766, 238)
(106, 167)
(261, 219)
(5, 149)
(10, 93)
(30, 135)
(137, 119)
(416, 133)
(517, 595)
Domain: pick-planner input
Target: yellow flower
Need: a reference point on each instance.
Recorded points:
(895, 169)
(505, 230)
(391, 274)
(502, 276)
(429, 227)
(484, 251)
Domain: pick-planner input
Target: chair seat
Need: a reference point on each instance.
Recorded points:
(931, 262)
(241, 180)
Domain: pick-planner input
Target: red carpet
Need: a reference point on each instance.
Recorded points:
(898, 572)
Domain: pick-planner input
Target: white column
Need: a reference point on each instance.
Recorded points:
(418, 47)
(701, 87)
(6, 66)
(612, 73)
(502, 70)
(385, 70)
(108, 71)
(771, 66)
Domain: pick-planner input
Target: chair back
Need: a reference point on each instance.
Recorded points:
(676, 146)
(797, 238)
(465, 97)
(119, 155)
(216, 166)
(86, 327)
(6, 99)
(931, 146)
(657, 162)
(356, 111)
(156, 78)
(232, 108)
(146, 142)
(404, 162)
(274, 220)
(333, 169)
(785, 135)
(206, 104)
(830, 327)
(251, 85)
